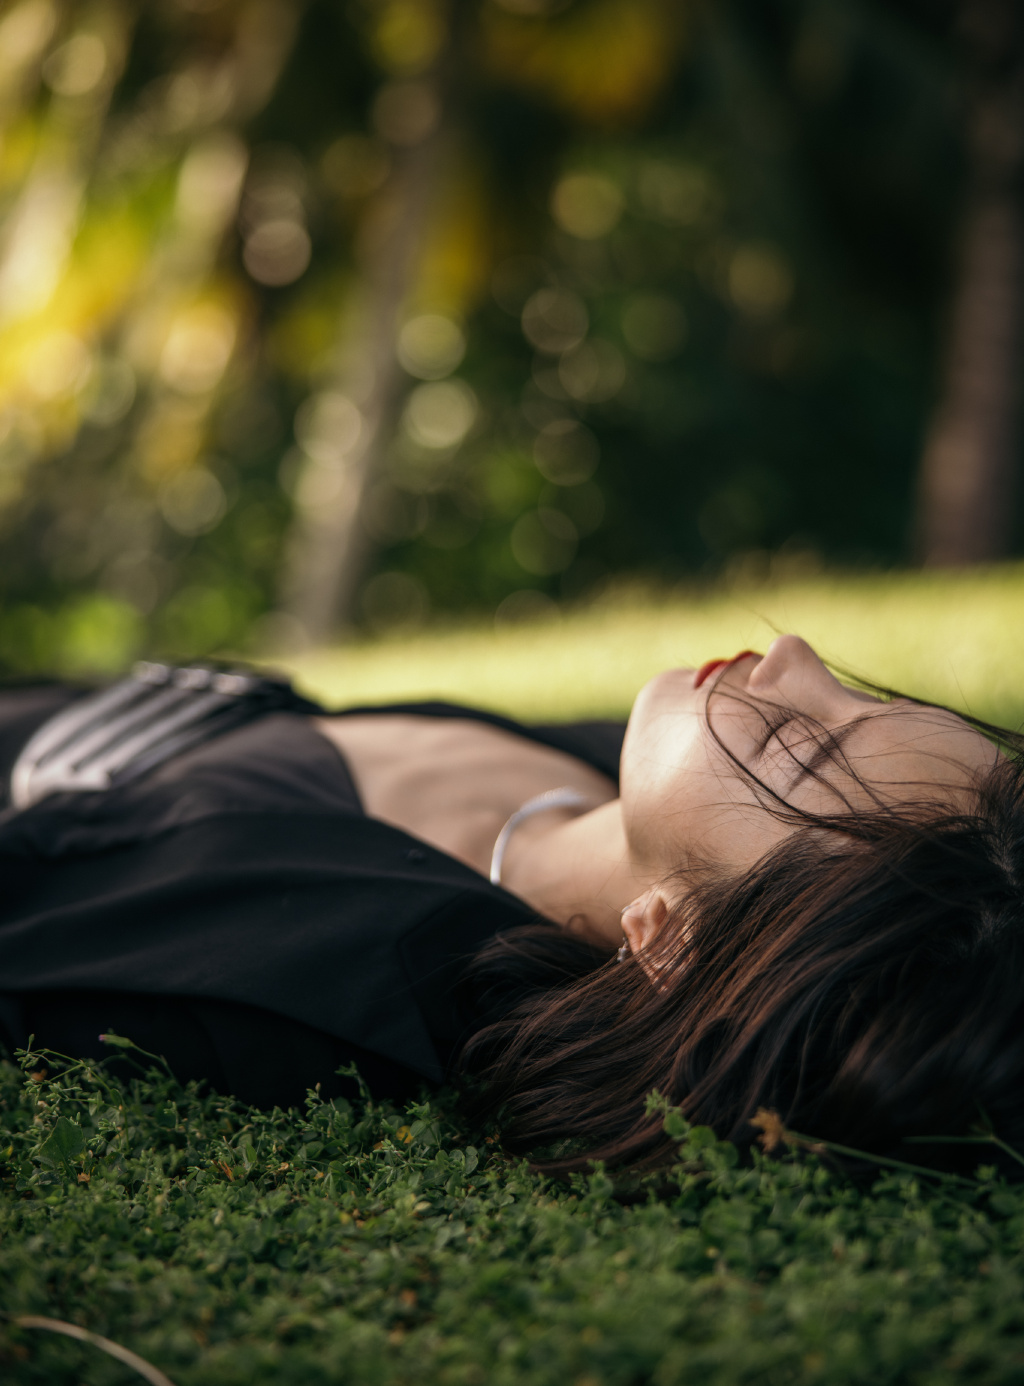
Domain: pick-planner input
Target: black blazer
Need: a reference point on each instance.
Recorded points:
(335, 928)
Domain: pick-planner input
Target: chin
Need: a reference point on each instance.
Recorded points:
(669, 691)
(669, 684)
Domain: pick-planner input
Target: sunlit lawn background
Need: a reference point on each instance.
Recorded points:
(953, 638)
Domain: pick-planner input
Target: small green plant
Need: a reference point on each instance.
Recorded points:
(358, 1243)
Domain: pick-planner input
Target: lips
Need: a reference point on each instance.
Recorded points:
(713, 665)
(706, 670)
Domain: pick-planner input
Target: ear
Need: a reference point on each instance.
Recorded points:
(643, 919)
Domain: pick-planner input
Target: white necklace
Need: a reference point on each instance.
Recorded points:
(550, 799)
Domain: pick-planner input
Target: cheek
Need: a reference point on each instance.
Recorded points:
(681, 798)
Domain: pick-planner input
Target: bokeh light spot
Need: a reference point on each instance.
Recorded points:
(431, 346)
(405, 113)
(197, 349)
(328, 426)
(275, 188)
(555, 320)
(319, 486)
(408, 35)
(77, 66)
(24, 32)
(587, 205)
(95, 634)
(439, 415)
(355, 165)
(277, 252)
(210, 181)
(760, 280)
(592, 372)
(192, 502)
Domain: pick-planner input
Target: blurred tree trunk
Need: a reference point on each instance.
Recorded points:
(328, 548)
(968, 471)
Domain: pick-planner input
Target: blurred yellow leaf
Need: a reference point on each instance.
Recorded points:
(605, 62)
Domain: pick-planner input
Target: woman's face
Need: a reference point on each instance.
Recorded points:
(684, 801)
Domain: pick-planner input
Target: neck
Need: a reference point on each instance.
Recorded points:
(576, 870)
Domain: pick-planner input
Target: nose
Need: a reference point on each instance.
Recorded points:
(787, 654)
(790, 648)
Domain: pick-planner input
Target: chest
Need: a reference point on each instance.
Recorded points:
(452, 782)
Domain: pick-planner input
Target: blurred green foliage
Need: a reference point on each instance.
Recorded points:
(674, 300)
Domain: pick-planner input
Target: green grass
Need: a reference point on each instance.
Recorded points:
(951, 637)
(370, 1247)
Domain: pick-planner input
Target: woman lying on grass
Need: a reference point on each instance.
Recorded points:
(797, 896)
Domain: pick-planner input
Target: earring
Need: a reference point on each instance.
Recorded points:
(624, 950)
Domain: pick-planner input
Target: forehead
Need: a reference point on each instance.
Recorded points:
(906, 729)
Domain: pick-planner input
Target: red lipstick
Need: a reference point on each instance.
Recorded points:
(706, 670)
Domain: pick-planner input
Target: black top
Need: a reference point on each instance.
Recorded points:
(237, 911)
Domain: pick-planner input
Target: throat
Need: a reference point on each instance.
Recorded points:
(574, 868)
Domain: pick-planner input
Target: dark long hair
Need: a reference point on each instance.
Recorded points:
(865, 979)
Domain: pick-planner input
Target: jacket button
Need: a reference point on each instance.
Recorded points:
(416, 854)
